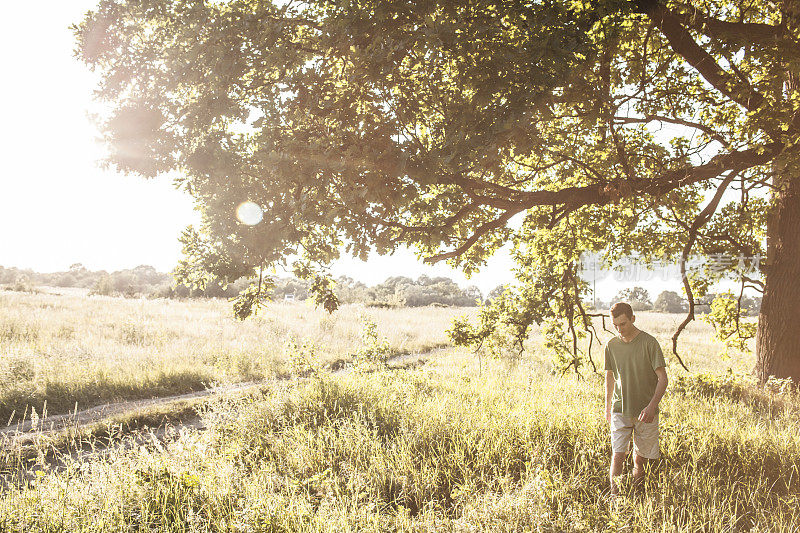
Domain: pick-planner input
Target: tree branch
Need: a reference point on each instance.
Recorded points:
(476, 184)
(688, 123)
(684, 45)
(489, 226)
(738, 32)
(699, 221)
(604, 193)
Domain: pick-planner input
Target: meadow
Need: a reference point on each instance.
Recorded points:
(444, 446)
(69, 349)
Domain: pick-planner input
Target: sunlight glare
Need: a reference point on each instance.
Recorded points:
(249, 213)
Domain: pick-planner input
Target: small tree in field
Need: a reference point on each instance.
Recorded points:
(670, 302)
(375, 350)
(104, 286)
(638, 297)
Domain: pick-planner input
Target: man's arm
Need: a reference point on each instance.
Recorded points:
(609, 393)
(649, 412)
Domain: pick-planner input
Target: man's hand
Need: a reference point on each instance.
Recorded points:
(648, 414)
(608, 414)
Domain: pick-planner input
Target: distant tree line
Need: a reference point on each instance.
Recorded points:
(397, 291)
(146, 281)
(402, 291)
(672, 302)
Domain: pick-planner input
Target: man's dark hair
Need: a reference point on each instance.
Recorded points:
(621, 308)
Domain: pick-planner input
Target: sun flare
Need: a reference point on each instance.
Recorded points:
(249, 213)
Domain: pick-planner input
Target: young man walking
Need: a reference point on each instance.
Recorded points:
(636, 378)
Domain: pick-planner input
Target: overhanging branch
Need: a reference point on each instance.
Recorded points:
(614, 190)
(684, 45)
(738, 32)
(660, 118)
(499, 222)
(601, 194)
(699, 222)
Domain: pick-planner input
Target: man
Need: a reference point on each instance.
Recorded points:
(636, 378)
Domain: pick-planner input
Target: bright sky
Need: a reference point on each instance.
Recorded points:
(57, 207)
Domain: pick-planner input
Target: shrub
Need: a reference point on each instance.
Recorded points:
(102, 287)
(374, 351)
(23, 284)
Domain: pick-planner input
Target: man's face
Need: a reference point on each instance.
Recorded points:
(624, 325)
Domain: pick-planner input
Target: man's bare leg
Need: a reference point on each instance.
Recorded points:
(617, 462)
(639, 463)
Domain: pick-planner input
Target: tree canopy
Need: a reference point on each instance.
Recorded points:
(649, 129)
(670, 302)
(637, 296)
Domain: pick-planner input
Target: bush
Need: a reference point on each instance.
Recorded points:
(103, 287)
(161, 291)
(66, 280)
(374, 351)
(23, 284)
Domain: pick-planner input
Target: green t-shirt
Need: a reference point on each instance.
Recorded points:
(634, 364)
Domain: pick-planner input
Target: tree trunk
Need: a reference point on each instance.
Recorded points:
(778, 335)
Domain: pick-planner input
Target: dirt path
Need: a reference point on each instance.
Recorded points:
(30, 431)
(47, 444)
(110, 410)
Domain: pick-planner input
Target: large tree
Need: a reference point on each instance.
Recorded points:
(644, 129)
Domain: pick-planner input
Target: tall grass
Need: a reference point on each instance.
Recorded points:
(73, 348)
(434, 449)
(448, 446)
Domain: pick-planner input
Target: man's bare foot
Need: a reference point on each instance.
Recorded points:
(612, 499)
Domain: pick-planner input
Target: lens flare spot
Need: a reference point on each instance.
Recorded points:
(249, 213)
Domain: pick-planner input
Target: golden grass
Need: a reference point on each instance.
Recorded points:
(434, 449)
(449, 446)
(73, 348)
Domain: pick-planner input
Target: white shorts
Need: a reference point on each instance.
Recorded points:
(645, 436)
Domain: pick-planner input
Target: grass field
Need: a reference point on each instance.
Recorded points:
(441, 447)
(70, 348)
